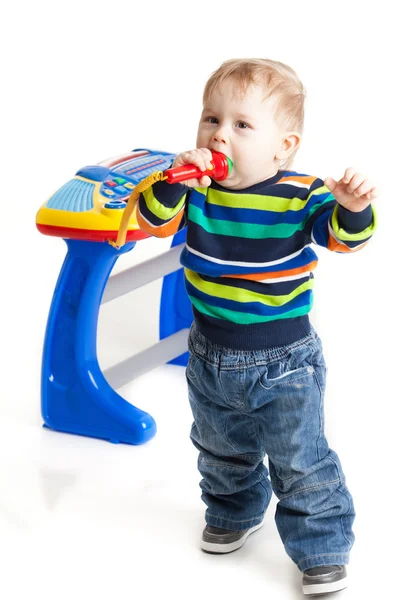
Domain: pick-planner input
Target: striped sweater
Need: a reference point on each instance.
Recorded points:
(248, 260)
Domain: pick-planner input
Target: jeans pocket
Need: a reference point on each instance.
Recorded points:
(282, 374)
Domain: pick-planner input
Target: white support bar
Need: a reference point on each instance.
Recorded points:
(155, 356)
(145, 272)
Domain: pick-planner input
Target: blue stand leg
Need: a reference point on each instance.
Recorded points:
(175, 309)
(76, 397)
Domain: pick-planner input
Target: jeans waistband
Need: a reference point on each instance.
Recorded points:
(219, 355)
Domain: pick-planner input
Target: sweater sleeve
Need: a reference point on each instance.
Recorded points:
(161, 209)
(333, 226)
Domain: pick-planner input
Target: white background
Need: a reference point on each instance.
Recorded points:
(83, 81)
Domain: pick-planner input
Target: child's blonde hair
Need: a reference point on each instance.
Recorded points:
(279, 80)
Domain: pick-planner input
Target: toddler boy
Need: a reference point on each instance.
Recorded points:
(256, 372)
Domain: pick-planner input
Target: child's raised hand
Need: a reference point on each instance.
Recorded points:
(354, 191)
(201, 157)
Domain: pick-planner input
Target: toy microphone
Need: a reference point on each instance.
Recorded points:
(221, 167)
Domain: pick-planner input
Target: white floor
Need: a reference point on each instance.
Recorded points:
(83, 518)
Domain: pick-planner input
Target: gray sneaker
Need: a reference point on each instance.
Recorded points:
(324, 580)
(221, 541)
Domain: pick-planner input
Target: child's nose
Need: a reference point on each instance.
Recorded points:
(220, 136)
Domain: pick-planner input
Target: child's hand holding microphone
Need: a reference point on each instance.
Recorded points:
(190, 168)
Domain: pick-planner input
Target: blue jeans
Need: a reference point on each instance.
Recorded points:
(249, 404)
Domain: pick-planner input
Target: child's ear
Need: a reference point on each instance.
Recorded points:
(289, 143)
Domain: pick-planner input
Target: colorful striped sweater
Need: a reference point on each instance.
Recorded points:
(248, 260)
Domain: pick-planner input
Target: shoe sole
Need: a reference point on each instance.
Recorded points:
(317, 589)
(211, 548)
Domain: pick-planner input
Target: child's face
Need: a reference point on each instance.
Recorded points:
(243, 127)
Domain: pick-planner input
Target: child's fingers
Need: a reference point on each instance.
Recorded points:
(183, 158)
(354, 183)
(365, 187)
(348, 174)
(197, 158)
(330, 183)
(200, 157)
(371, 195)
(207, 156)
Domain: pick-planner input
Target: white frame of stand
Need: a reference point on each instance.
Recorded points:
(163, 351)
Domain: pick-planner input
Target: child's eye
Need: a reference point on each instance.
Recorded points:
(242, 125)
(213, 120)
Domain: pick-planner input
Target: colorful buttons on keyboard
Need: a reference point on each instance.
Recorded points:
(122, 191)
(115, 204)
(119, 180)
(109, 193)
(111, 183)
(129, 186)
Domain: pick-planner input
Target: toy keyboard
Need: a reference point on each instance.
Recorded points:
(90, 206)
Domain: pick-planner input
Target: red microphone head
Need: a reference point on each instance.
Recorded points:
(222, 166)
